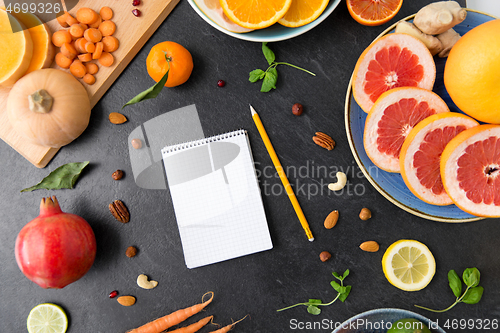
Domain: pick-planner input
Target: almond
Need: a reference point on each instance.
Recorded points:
(369, 246)
(117, 118)
(331, 219)
(126, 300)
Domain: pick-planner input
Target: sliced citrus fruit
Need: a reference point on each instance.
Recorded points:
(373, 12)
(392, 118)
(408, 265)
(302, 12)
(395, 60)
(470, 170)
(47, 318)
(213, 10)
(255, 14)
(421, 154)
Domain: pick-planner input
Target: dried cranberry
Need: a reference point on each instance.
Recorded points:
(136, 2)
(113, 294)
(136, 12)
(221, 83)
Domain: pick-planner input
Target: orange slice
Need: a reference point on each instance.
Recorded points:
(470, 170)
(390, 120)
(213, 10)
(421, 153)
(255, 14)
(373, 12)
(302, 12)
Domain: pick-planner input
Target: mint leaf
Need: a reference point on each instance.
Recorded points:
(473, 295)
(256, 75)
(314, 310)
(343, 296)
(270, 80)
(471, 277)
(455, 283)
(64, 176)
(268, 53)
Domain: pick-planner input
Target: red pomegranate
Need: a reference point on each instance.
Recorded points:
(56, 248)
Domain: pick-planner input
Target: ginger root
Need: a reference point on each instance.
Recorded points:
(433, 44)
(447, 39)
(438, 17)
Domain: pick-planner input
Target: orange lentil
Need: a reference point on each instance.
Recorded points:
(106, 59)
(85, 57)
(78, 69)
(98, 50)
(106, 13)
(76, 30)
(86, 15)
(111, 44)
(68, 51)
(60, 37)
(91, 68)
(63, 61)
(92, 35)
(107, 28)
(89, 79)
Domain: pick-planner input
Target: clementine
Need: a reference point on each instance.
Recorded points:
(172, 57)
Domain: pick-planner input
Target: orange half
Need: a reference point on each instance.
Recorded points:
(373, 12)
(302, 12)
(257, 14)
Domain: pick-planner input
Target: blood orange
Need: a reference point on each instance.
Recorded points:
(373, 12)
(470, 170)
(390, 120)
(421, 153)
(395, 60)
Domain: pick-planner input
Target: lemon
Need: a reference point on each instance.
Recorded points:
(47, 318)
(408, 265)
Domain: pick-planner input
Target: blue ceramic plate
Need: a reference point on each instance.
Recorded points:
(275, 32)
(391, 185)
(377, 321)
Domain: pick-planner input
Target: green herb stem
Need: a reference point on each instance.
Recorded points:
(307, 304)
(448, 308)
(297, 67)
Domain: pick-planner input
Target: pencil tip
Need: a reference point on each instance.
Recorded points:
(311, 239)
(252, 110)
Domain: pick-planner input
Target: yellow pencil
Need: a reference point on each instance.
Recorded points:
(281, 173)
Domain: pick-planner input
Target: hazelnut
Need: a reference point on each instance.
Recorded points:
(136, 143)
(297, 109)
(365, 214)
(324, 256)
(117, 175)
(131, 251)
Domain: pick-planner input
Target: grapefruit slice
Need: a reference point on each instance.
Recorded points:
(395, 60)
(302, 12)
(373, 12)
(421, 154)
(470, 170)
(390, 120)
(213, 10)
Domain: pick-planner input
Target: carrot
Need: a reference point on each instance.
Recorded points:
(70, 20)
(76, 30)
(68, 51)
(227, 328)
(85, 57)
(89, 79)
(86, 15)
(61, 18)
(107, 28)
(97, 23)
(60, 37)
(106, 59)
(91, 68)
(78, 69)
(111, 44)
(62, 61)
(106, 13)
(90, 47)
(80, 44)
(161, 324)
(92, 35)
(98, 50)
(193, 327)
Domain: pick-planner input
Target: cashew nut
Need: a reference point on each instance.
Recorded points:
(143, 282)
(341, 181)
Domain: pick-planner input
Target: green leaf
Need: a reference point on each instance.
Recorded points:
(455, 283)
(343, 296)
(336, 286)
(268, 53)
(473, 295)
(63, 177)
(471, 277)
(256, 75)
(346, 273)
(270, 80)
(152, 92)
(337, 276)
(314, 310)
(314, 301)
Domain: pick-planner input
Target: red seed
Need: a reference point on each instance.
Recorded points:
(136, 12)
(113, 294)
(221, 83)
(136, 2)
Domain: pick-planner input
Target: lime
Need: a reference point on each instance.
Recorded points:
(47, 318)
(408, 265)
(408, 325)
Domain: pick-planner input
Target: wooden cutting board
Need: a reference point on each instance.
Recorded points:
(131, 31)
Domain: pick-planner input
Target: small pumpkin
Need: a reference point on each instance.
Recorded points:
(49, 107)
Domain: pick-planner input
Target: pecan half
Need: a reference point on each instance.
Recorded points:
(119, 211)
(324, 140)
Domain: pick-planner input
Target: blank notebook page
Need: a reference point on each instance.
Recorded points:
(216, 198)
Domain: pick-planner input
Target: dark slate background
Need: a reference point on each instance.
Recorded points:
(261, 283)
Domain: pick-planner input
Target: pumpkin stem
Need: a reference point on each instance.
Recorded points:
(40, 101)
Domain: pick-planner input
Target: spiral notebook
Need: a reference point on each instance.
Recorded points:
(216, 198)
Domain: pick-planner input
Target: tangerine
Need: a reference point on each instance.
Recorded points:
(172, 57)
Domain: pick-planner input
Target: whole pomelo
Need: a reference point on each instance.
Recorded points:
(472, 72)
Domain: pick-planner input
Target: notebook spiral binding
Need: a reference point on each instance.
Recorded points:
(200, 142)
